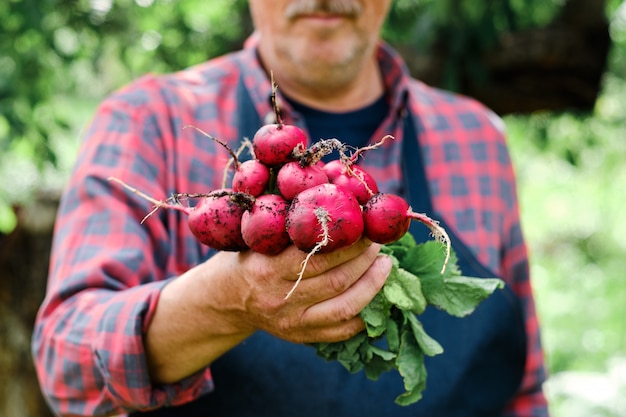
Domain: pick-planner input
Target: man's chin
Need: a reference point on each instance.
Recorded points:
(328, 56)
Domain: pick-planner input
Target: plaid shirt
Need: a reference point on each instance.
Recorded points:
(107, 269)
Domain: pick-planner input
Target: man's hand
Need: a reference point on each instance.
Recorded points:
(217, 304)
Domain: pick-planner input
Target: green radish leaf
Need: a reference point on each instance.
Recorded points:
(404, 290)
(412, 396)
(429, 346)
(380, 361)
(382, 353)
(375, 315)
(331, 351)
(459, 296)
(450, 292)
(410, 363)
(414, 282)
(426, 260)
(350, 356)
(400, 248)
(393, 335)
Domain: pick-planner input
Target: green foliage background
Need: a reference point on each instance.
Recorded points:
(572, 175)
(58, 58)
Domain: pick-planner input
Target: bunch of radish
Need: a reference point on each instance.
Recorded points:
(286, 195)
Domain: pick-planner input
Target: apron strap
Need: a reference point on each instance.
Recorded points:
(248, 119)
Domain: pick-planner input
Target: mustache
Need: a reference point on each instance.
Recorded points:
(297, 8)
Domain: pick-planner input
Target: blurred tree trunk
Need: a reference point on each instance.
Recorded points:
(556, 67)
(24, 259)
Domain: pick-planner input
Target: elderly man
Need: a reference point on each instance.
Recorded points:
(143, 319)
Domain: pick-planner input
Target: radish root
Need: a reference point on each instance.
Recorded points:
(371, 147)
(239, 198)
(233, 155)
(324, 219)
(318, 150)
(235, 160)
(157, 203)
(359, 177)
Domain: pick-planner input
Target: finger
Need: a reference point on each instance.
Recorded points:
(329, 334)
(352, 301)
(336, 280)
(320, 263)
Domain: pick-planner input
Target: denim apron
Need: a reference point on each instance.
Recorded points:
(478, 373)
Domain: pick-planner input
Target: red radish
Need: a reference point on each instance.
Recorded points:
(263, 226)
(324, 211)
(334, 168)
(353, 179)
(251, 177)
(346, 174)
(293, 178)
(322, 219)
(387, 217)
(215, 221)
(274, 144)
(296, 176)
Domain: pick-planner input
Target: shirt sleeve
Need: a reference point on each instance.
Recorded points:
(530, 400)
(108, 269)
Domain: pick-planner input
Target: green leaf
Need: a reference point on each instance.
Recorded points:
(350, 356)
(331, 351)
(393, 335)
(380, 361)
(459, 296)
(429, 346)
(400, 248)
(375, 315)
(382, 353)
(410, 363)
(426, 260)
(404, 290)
(411, 396)
(414, 282)
(328, 351)
(349, 361)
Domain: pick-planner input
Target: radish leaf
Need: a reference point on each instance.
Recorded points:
(394, 337)
(459, 296)
(404, 290)
(429, 346)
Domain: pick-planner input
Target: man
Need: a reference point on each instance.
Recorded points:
(141, 317)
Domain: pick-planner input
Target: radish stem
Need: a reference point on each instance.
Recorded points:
(438, 232)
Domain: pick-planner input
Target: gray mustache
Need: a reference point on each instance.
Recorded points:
(341, 7)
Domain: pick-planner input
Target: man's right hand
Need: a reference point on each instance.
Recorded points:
(217, 304)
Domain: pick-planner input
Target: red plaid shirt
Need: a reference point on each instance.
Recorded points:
(107, 269)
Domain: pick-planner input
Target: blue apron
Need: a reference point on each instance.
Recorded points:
(478, 373)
